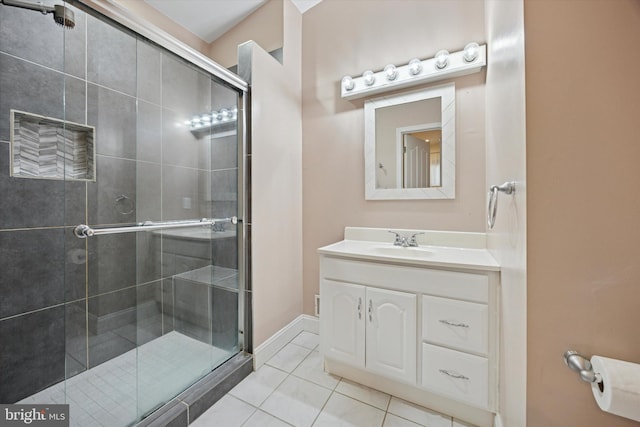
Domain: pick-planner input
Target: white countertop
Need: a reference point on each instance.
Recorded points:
(453, 249)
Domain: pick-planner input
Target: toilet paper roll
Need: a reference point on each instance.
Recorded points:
(619, 392)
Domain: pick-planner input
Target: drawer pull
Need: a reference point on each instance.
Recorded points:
(359, 308)
(452, 375)
(455, 325)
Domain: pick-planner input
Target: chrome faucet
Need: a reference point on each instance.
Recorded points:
(413, 242)
(405, 241)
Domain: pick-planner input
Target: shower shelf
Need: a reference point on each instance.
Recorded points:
(48, 148)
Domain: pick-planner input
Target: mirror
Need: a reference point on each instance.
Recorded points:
(410, 145)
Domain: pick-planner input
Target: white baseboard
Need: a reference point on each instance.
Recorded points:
(277, 341)
(311, 324)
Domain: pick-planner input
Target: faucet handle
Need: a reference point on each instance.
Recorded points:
(399, 238)
(413, 241)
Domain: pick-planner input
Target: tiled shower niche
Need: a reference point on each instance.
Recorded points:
(46, 148)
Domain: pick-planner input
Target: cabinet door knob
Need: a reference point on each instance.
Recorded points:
(455, 325)
(454, 375)
(370, 310)
(359, 308)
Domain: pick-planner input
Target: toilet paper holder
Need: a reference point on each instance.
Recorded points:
(582, 365)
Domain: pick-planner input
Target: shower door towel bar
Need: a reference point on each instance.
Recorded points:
(83, 231)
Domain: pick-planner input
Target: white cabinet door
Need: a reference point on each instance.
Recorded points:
(342, 310)
(391, 333)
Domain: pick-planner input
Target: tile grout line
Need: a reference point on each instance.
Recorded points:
(289, 374)
(333, 391)
(386, 412)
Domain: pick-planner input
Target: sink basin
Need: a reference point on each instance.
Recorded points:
(399, 251)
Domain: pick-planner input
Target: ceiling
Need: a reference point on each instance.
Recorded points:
(209, 19)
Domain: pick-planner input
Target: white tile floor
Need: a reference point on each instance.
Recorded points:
(291, 389)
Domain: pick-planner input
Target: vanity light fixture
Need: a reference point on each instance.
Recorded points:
(444, 65)
(442, 59)
(471, 52)
(210, 120)
(347, 83)
(368, 77)
(415, 66)
(391, 72)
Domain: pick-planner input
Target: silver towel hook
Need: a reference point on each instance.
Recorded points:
(508, 187)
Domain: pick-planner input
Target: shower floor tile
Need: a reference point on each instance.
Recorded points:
(119, 391)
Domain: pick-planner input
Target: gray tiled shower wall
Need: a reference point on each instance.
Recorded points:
(68, 304)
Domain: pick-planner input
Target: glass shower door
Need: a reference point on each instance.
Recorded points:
(187, 291)
(161, 306)
(104, 129)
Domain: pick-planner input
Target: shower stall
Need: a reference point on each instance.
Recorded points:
(122, 240)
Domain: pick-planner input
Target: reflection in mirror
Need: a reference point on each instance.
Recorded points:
(421, 158)
(408, 141)
(410, 145)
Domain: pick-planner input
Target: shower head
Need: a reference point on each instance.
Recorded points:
(64, 16)
(61, 14)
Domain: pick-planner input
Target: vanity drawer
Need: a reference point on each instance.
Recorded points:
(455, 374)
(458, 324)
(452, 284)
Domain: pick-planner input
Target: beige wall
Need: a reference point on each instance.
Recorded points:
(584, 206)
(264, 26)
(276, 177)
(345, 37)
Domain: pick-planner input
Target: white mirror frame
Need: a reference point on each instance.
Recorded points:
(448, 189)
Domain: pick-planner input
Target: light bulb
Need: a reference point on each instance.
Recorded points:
(206, 118)
(415, 66)
(348, 83)
(471, 52)
(224, 113)
(442, 59)
(195, 121)
(369, 77)
(391, 72)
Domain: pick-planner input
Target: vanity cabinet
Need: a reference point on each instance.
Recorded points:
(433, 328)
(371, 328)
